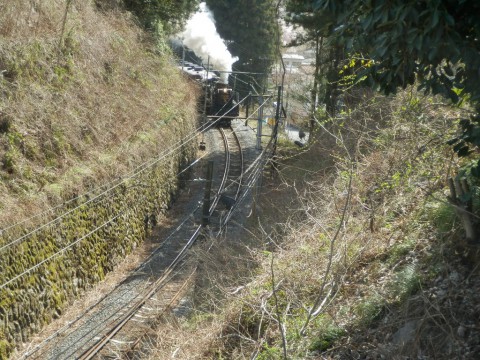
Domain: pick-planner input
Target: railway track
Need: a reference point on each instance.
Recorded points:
(231, 183)
(148, 307)
(122, 320)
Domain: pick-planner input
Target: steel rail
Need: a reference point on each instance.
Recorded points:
(225, 172)
(66, 327)
(98, 346)
(238, 180)
(121, 322)
(116, 325)
(169, 306)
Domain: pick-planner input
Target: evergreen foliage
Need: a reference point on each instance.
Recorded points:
(329, 54)
(249, 27)
(168, 14)
(434, 43)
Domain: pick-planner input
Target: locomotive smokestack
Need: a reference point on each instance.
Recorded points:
(201, 36)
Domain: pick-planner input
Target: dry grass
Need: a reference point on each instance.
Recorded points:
(81, 113)
(361, 230)
(175, 339)
(224, 267)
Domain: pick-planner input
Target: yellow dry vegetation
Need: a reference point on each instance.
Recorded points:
(353, 252)
(85, 97)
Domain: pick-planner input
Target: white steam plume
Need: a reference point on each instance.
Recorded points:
(201, 36)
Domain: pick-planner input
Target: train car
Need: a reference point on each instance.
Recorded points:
(224, 106)
(220, 102)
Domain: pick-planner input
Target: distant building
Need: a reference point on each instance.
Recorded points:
(292, 60)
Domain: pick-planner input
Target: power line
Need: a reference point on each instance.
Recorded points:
(140, 169)
(61, 251)
(86, 193)
(69, 246)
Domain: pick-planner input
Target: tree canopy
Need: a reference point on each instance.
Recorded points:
(169, 13)
(249, 27)
(439, 41)
(433, 43)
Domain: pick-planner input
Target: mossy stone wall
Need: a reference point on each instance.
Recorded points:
(42, 271)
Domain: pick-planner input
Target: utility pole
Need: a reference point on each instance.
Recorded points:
(317, 74)
(206, 197)
(275, 131)
(206, 95)
(249, 99)
(183, 56)
(259, 124)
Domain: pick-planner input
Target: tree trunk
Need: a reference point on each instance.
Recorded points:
(459, 190)
(314, 101)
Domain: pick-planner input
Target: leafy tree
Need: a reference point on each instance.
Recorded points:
(249, 27)
(169, 14)
(328, 53)
(433, 42)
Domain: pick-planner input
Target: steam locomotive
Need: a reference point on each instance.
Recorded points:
(219, 101)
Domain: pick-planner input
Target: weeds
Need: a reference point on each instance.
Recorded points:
(327, 332)
(332, 295)
(69, 105)
(357, 230)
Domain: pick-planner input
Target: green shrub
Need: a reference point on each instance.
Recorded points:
(327, 336)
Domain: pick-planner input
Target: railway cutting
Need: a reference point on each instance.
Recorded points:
(119, 322)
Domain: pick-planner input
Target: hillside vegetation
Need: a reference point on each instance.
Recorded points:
(89, 105)
(354, 249)
(86, 95)
(371, 261)
(356, 252)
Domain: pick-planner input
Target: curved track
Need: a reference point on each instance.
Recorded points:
(231, 186)
(118, 322)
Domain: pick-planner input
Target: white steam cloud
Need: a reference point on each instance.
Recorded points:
(201, 36)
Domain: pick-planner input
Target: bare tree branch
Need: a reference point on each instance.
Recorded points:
(277, 311)
(316, 308)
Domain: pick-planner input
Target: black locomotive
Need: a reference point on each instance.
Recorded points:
(219, 101)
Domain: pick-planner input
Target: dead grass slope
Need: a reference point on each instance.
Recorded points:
(370, 264)
(85, 96)
(357, 255)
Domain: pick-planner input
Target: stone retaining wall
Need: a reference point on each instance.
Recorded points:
(45, 270)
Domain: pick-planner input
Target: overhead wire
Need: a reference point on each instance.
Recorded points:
(129, 175)
(257, 169)
(92, 232)
(189, 137)
(61, 251)
(69, 246)
(53, 208)
(272, 142)
(137, 171)
(3, 230)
